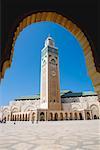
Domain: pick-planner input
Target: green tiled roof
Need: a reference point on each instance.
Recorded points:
(88, 93)
(78, 94)
(63, 93)
(29, 97)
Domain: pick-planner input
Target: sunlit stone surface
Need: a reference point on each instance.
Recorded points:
(51, 135)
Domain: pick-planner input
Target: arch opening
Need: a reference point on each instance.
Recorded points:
(94, 111)
(88, 116)
(66, 116)
(76, 31)
(56, 116)
(75, 116)
(42, 116)
(51, 116)
(71, 116)
(80, 116)
(61, 116)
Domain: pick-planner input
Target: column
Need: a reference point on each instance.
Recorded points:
(46, 116)
(91, 115)
(72, 115)
(78, 118)
(83, 115)
(30, 116)
(52, 116)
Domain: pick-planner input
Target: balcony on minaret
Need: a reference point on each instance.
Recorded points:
(49, 46)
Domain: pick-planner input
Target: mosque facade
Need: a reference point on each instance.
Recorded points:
(52, 104)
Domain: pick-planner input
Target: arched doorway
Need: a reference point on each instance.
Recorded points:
(94, 111)
(51, 116)
(88, 116)
(71, 117)
(80, 116)
(66, 116)
(5, 114)
(61, 116)
(56, 117)
(75, 116)
(42, 116)
(95, 117)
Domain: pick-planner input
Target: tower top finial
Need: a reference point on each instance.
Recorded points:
(49, 41)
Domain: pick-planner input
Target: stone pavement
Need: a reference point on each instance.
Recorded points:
(57, 135)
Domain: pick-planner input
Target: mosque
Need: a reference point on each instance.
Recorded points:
(52, 104)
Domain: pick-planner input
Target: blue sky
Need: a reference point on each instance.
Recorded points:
(23, 77)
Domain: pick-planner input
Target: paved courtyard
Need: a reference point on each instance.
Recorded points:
(60, 135)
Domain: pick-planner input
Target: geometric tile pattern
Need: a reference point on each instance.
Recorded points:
(55, 135)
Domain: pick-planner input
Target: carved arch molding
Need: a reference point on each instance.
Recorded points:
(67, 24)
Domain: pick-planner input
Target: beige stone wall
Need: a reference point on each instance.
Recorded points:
(85, 103)
(29, 110)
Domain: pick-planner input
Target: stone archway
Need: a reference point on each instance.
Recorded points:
(6, 114)
(61, 116)
(94, 111)
(42, 116)
(67, 24)
(80, 116)
(88, 116)
(71, 116)
(14, 109)
(51, 116)
(28, 108)
(66, 116)
(75, 116)
(56, 117)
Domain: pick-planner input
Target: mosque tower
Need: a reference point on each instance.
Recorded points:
(50, 85)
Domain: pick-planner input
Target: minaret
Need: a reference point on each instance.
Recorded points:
(50, 86)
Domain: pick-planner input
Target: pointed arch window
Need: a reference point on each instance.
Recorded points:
(53, 61)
